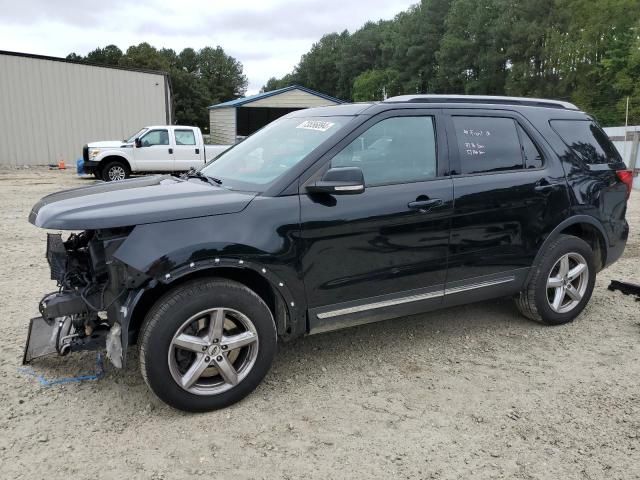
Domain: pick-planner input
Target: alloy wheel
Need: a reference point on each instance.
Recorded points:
(117, 173)
(213, 351)
(567, 282)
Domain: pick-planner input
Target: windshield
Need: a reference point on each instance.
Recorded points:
(135, 135)
(269, 153)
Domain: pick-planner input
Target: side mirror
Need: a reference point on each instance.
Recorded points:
(137, 143)
(339, 181)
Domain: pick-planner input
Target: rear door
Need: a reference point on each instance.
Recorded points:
(155, 153)
(188, 150)
(508, 194)
(369, 256)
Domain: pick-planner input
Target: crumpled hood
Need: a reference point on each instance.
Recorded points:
(159, 198)
(107, 144)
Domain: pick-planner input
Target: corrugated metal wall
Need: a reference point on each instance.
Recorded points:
(222, 126)
(49, 109)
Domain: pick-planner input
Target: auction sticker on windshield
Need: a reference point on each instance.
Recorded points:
(318, 125)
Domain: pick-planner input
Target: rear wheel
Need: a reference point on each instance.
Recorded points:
(115, 170)
(562, 283)
(207, 344)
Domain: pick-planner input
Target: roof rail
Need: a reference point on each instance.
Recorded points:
(487, 99)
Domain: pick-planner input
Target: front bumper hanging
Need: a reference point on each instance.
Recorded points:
(55, 331)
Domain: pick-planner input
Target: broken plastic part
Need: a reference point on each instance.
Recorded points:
(114, 345)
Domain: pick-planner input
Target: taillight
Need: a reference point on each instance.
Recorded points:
(626, 177)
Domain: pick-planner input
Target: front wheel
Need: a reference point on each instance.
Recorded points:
(115, 171)
(561, 284)
(207, 344)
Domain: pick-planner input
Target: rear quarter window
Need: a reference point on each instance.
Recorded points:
(587, 141)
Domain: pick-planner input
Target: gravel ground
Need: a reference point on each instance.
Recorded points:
(470, 392)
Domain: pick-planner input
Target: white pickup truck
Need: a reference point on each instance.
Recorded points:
(160, 148)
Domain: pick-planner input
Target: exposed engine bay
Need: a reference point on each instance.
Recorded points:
(77, 315)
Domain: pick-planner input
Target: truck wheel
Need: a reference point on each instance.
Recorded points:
(206, 344)
(115, 170)
(561, 284)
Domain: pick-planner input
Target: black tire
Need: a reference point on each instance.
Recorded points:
(98, 174)
(166, 318)
(108, 172)
(533, 301)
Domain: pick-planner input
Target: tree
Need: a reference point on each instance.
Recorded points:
(318, 68)
(191, 98)
(473, 52)
(222, 74)
(144, 56)
(274, 83)
(374, 84)
(109, 55)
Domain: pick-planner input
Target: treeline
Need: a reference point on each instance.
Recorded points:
(198, 78)
(584, 51)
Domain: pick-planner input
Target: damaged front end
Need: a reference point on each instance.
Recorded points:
(85, 312)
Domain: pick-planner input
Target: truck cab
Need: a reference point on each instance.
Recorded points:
(153, 149)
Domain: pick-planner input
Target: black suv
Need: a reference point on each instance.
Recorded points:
(327, 218)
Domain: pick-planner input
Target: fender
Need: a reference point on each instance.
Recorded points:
(263, 240)
(294, 311)
(574, 220)
(277, 284)
(124, 153)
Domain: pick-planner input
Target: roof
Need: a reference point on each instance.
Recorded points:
(77, 62)
(238, 102)
(490, 99)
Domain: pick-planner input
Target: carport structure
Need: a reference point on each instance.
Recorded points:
(235, 119)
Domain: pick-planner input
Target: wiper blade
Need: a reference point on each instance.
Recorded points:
(205, 178)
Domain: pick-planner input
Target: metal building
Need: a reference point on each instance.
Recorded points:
(239, 118)
(627, 141)
(50, 107)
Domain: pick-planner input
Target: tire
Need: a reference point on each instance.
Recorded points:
(182, 322)
(98, 174)
(115, 170)
(538, 300)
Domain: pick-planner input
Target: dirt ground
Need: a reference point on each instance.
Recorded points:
(469, 392)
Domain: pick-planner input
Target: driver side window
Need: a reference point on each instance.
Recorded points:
(155, 137)
(395, 150)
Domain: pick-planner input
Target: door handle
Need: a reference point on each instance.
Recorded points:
(425, 204)
(197, 150)
(543, 186)
(171, 150)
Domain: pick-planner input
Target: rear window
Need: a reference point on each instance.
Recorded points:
(586, 140)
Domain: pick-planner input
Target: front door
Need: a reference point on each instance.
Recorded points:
(507, 197)
(187, 153)
(372, 255)
(155, 152)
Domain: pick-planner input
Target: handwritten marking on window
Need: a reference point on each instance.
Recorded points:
(476, 133)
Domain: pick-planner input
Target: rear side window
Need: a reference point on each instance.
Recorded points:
(587, 140)
(487, 144)
(185, 137)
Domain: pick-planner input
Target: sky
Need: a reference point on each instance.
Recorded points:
(267, 36)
